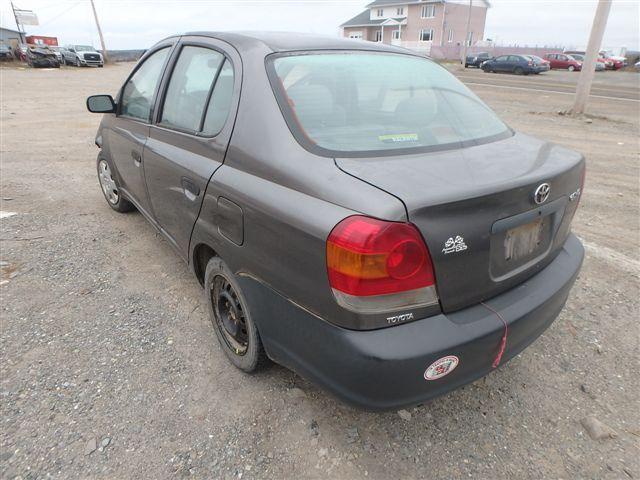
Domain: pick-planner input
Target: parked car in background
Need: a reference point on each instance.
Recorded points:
(57, 50)
(5, 52)
(477, 59)
(637, 65)
(600, 66)
(544, 64)
(609, 63)
(518, 64)
(389, 247)
(82, 56)
(618, 62)
(21, 52)
(563, 61)
(41, 56)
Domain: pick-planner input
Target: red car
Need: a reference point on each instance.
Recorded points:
(610, 63)
(563, 61)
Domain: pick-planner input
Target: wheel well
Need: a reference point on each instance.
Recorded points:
(201, 256)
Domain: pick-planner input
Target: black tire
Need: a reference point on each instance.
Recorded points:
(518, 71)
(122, 205)
(227, 306)
(78, 62)
(571, 68)
(466, 65)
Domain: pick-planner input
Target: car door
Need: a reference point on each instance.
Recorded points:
(563, 61)
(188, 140)
(130, 129)
(515, 61)
(501, 64)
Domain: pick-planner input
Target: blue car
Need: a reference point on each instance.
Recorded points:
(518, 64)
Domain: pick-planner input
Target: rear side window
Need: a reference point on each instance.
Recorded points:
(348, 102)
(220, 102)
(189, 87)
(137, 94)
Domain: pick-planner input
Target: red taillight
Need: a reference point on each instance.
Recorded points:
(368, 257)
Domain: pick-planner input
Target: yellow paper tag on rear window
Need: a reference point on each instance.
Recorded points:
(399, 137)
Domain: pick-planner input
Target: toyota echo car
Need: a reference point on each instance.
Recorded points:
(352, 211)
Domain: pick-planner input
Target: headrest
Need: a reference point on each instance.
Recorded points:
(312, 103)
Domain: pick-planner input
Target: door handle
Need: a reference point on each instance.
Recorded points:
(137, 158)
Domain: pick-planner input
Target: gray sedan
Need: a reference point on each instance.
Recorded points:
(351, 209)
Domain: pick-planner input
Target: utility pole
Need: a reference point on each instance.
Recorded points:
(589, 64)
(18, 25)
(466, 37)
(104, 48)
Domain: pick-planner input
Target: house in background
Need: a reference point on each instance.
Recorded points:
(419, 24)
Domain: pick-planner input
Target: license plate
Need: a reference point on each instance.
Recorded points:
(522, 241)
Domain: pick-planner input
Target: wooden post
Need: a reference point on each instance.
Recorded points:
(104, 48)
(589, 64)
(466, 36)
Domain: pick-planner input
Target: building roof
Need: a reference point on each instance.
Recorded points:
(10, 30)
(364, 19)
(384, 3)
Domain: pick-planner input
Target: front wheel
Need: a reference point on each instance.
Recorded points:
(110, 188)
(77, 62)
(571, 68)
(231, 319)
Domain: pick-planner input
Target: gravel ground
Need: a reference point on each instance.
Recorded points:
(109, 367)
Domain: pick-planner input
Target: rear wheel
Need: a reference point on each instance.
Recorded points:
(518, 71)
(110, 188)
(231, 319)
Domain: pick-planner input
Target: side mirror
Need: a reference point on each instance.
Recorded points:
(101, 104)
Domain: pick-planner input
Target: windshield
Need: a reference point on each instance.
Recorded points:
(371, 102)
(84, 48)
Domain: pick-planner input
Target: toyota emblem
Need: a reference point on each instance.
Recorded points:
(542, 193)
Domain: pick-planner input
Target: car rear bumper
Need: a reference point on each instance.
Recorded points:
(384, 369)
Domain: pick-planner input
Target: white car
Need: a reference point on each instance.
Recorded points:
(82, 56)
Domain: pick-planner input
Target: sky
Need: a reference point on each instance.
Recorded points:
(129, 24)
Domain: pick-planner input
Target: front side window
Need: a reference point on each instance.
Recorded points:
(352, 103)
(138, 92)
(188, 91)
(426, 35)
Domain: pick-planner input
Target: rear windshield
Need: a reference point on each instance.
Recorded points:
(352, 102)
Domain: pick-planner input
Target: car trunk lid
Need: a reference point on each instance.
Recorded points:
(476, 210)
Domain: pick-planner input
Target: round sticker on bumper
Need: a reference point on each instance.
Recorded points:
(441, 367)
